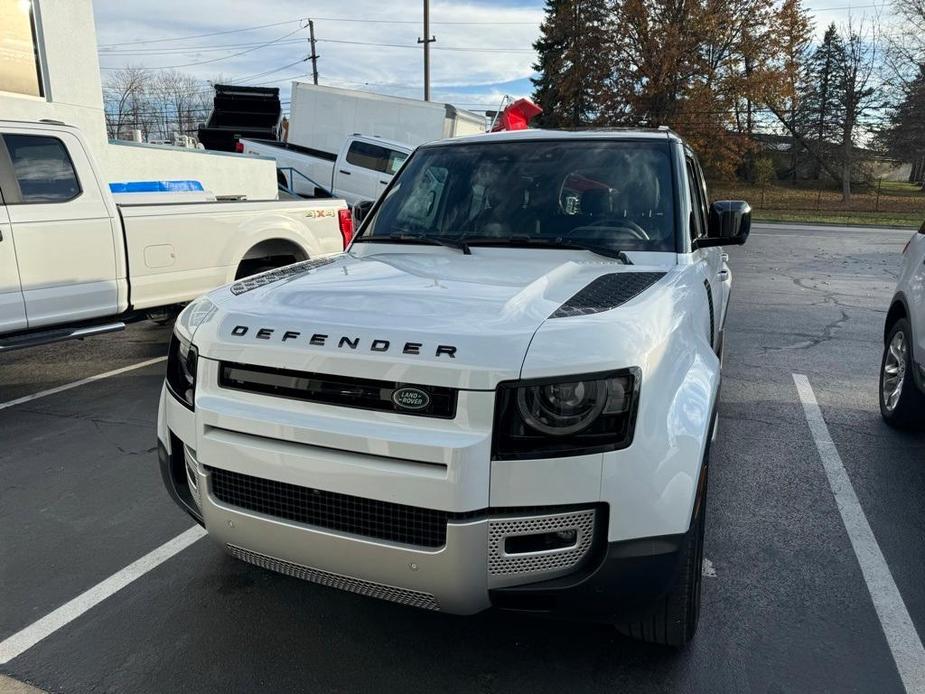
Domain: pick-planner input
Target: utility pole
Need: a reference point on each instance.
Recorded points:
(427, 40)
(314, 55)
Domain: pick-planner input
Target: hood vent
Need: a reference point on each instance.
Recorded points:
(607, 292)
(281, 273)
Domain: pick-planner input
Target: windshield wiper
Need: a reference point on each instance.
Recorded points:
(525, 241)
(458, 244)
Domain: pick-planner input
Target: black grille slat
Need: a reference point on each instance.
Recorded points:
(607, 292)
(706, 284)
(343, 391)
(370, 518)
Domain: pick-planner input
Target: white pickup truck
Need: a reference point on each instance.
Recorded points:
(503, 394)
(74, 263)
(360, 171)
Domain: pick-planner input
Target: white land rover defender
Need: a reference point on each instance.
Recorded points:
(502, 394)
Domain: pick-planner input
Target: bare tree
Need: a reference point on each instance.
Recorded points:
(126, 104)
(181, 101)
(905, 42)
(857, 92)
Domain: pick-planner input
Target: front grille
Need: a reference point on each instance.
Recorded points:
(381, 520)
(346, 391)
(413, 598)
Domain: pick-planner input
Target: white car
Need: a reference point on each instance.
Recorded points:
(902, 371)
(503, 394)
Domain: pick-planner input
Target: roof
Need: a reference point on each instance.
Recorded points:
(532, 134)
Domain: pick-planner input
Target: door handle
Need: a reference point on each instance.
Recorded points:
(346, 173)
(385, 183)
(723, 275)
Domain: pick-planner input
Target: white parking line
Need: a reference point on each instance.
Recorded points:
(25, 639)
(81, 382)
(903, 639)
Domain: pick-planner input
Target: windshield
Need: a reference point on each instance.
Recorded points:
(608, 194)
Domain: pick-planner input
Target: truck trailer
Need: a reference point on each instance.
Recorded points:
(322, 118)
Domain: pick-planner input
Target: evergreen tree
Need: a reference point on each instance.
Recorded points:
(573, 63)
(904, 137)
(821, 112)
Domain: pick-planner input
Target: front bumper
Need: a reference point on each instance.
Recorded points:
(469, 573)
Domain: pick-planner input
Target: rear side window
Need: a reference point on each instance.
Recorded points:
(375, 158)
(368, 156)
(43, 168)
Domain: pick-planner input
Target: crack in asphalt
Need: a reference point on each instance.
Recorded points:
(98, 423)
(827, 335)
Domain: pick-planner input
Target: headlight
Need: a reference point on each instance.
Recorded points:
(181, 370)
(558, 417)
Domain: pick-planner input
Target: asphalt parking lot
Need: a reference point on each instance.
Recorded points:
(786, 605)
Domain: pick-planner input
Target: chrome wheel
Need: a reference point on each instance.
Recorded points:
(894, 370)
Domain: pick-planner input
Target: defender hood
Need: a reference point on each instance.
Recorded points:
(421, 315)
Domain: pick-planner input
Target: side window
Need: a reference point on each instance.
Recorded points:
(698, 222)
(368, 156)
(43, 168)
(396, 159)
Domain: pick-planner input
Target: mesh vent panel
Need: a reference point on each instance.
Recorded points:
(607, 292)
(413, 598)
(502, 564)
(255, 281)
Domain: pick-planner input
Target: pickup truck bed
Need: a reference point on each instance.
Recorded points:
(176, 252)
(69, 255)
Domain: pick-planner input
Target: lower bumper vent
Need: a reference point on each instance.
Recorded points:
(412, 598)
(502, 562)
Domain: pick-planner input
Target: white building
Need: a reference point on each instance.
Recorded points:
(49, 70)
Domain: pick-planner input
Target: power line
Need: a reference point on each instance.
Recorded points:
(464, 49)
(434, 48)
(167, 39)
(199, 36)
(417, 21)
(215, 60)
(180, 50)
(248, 78)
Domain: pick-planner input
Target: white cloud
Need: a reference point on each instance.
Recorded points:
(503, 37)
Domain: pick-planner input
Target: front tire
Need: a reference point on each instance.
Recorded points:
(902, 404)
(673, 620)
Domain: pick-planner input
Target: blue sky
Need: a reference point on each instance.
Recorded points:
(483, 49)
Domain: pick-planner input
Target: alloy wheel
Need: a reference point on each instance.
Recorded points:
(894, 370)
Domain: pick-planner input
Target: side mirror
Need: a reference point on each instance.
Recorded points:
(361, 209)
(730, 223)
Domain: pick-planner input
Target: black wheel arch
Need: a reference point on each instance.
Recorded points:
(899, 308)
